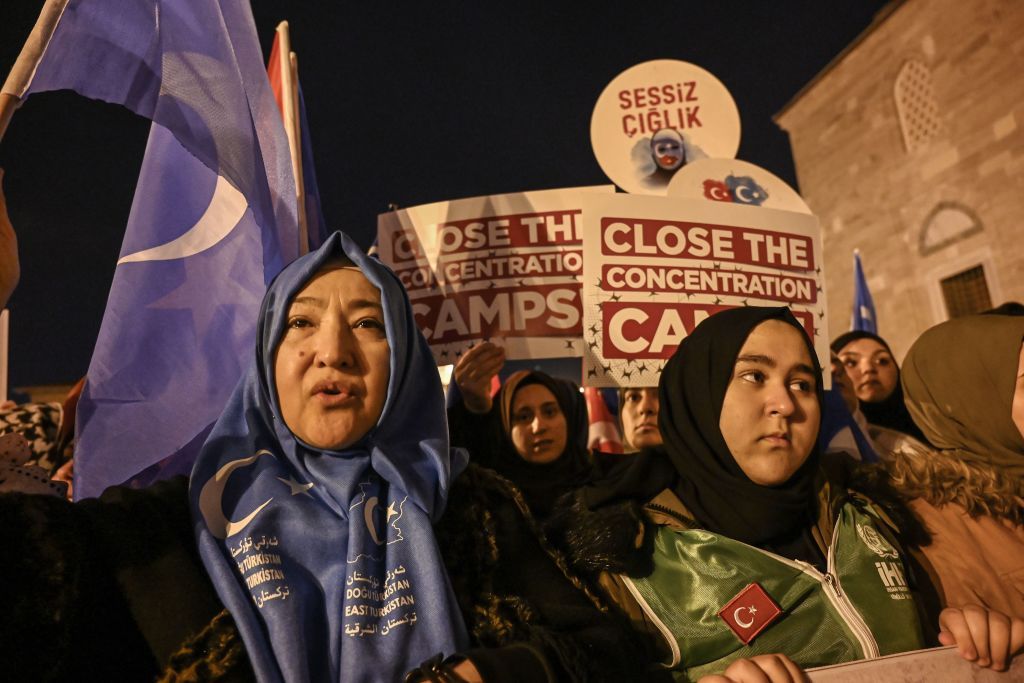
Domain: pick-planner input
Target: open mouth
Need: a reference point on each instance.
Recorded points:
(333, 393)
(668, 160)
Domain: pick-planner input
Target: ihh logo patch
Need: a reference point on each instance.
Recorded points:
(875, 541)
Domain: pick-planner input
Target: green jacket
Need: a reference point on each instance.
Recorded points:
(861, 608)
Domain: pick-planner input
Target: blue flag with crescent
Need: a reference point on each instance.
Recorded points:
(212, 222)
(863, 306)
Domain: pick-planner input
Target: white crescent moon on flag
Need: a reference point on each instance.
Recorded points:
(226, 208)
(368, 518)
(210, 500)
(743, 192)
(740, 622)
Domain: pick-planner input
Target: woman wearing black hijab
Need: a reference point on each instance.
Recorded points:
(533, 432)
(756, 558)
(527, 447)
(872, 369)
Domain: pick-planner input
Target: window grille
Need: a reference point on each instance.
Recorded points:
(966, 292)
(915, 104)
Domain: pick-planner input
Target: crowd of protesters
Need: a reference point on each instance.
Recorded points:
(399, 537)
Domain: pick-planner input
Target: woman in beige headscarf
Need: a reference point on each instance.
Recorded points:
(964, 388)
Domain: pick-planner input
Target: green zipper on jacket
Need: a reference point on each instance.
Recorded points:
(829, 581)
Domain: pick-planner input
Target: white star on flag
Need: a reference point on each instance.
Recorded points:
(295, 486)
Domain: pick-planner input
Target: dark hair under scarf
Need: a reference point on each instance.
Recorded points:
(542, 483)
(694, 460)
(891, 412)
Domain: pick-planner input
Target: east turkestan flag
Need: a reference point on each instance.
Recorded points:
(212, 222)
(863, 306)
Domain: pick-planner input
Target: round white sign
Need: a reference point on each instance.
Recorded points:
(657, 117)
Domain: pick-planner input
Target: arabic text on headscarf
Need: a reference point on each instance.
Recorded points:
(327, 559)
(960, 378)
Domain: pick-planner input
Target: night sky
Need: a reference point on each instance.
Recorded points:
(408, 103)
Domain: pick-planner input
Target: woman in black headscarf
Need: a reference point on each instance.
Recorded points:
(872, 369)
(533, 432)
(527, 447)
(756, 554)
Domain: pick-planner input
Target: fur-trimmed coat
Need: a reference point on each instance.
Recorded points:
(604, 543)
(973, 513)
(537, 618)
(111, 589)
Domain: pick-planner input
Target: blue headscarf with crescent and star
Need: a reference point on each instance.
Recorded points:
(327, 559)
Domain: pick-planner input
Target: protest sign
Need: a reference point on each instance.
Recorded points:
(735, 181)
(934, 664)
(504, 268)
(655, 118)
(654, 267)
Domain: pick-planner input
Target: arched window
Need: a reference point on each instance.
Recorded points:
(947, 223)
(915, 104)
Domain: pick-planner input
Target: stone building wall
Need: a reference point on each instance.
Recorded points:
(875, 188)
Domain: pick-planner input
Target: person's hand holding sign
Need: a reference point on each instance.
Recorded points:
(474, 372)
(774, 668)
(984, 636)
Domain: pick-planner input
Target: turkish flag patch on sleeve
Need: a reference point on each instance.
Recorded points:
(750, 612)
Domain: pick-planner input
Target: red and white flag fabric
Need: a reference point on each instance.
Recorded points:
(750, 612)
(604, 431)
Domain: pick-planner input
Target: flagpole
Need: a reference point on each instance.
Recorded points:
(290, 113)
(24, 68)
(300, 180)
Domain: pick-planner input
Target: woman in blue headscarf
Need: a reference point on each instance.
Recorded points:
(314, 502)
(315, 495)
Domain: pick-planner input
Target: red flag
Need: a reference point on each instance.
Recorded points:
(750, 612)
(282, 70)
(604, 433)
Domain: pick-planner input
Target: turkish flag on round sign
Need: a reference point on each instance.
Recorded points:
(750, 612)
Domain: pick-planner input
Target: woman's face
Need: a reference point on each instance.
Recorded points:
(640, 417)
(844, 384)
(871, 368)
(333, 362)
(770, 414)
(1017, 409)
(539, 430)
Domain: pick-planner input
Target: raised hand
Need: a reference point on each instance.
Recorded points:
(474, 372)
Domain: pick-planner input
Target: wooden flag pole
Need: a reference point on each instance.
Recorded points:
(25, 66)
(300, 179)
(290, 112)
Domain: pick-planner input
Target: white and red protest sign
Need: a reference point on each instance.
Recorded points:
(655, 267)
(504, 268)
(655, 118)
(735, 181)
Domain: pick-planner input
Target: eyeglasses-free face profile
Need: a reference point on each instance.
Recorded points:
(332, 363)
